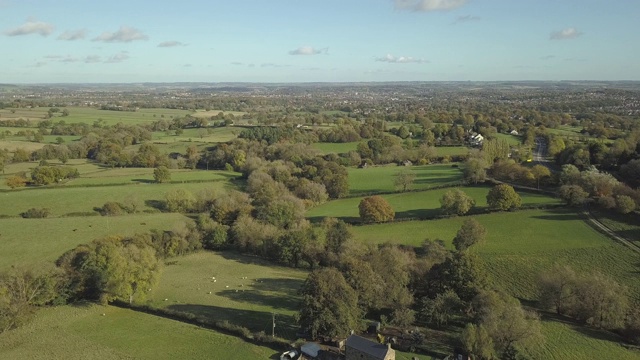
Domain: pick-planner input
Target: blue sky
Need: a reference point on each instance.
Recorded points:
(74, 41)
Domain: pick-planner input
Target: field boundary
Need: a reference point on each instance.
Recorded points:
(603, 229)
(29, 188)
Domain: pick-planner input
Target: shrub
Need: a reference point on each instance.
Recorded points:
(503, 197)
(35, 213)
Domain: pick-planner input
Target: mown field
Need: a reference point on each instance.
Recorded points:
(375, 179)
(83, 332)
(511, 139)
(521, 244)
(30, 242)
(189, 286)
(418, 204)
(452, 150)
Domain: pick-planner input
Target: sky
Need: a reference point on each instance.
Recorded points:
(115, 41)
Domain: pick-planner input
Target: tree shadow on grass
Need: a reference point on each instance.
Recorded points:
(560, 214)
(144, 181)
(418, 214)
(255, 321)
(156, 204)
(599, 334)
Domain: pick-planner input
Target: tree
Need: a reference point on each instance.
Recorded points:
(462, 273)
(507, 323)
(16, 181)
(556, 288)
(475, 170)
(476, 340)
(601, 301)
(625, 204)
(375, 209)
(456, 202)
(404, 179)
(573, 195)
(193, 156)
(503, 197)
(540, 172)
(471, 233)
(442, 309)
(329, 305)
(161, 174)
(179, 200)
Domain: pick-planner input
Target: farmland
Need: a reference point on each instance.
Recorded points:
(521, 244)
(246, 290)
(418, 204)
(106, 332)
(376, 179)
(50, 238)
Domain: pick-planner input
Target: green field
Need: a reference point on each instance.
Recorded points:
(521, 244)
(337, 148)
(564, 341)
(375, 179)
(420, 204)
(188, 286)
(28, 242)
(199, 135)
(452, 150)
(625, 225)
(511, 139)
(83, 332)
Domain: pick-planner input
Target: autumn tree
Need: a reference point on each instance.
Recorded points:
(404, 179)
(475, 170)
(503, 197)
(625, 204)
(471, 233)
(375, 209)
(601, 301)
(16, 181)
(573, 195)
(161, 174)
(556, 288)
(456, 202)
(539, 173)
(329, 305)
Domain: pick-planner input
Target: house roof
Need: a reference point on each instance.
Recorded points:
(367, 346)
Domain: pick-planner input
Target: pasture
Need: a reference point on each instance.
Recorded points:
(521, 244)
(32, 242)
(246, 290)
(376, 179)
(83, 332)
(510, 139)
(63, 200)
(419, 204)
(199, 135)
(452, 150)
(203, 113)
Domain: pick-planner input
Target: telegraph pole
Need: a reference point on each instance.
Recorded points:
(273, 324)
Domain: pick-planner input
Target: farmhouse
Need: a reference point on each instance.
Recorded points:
(476, 140)
(359, 348)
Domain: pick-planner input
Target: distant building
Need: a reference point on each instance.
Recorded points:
(476, 140)
(359, 348)
(514, 132)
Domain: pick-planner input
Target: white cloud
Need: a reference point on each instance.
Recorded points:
(308, 50)
(548, 57)
(466, 18)
(401, 59)
(119, 57)
(565, 34)
(69, 59)
(73, 35)
(92, 59)
(31, 27)
(124, 34)
(429, 5)
(171, 44)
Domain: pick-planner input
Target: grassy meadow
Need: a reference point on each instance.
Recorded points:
(87, 332)
(521, 244)
(418, 204)
(376, 179)
(29, 242)
(189, 286)
(452, 150)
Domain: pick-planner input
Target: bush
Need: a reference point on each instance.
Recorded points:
(375, 209)
(161, 174)
(35, 213)
(625, 204)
